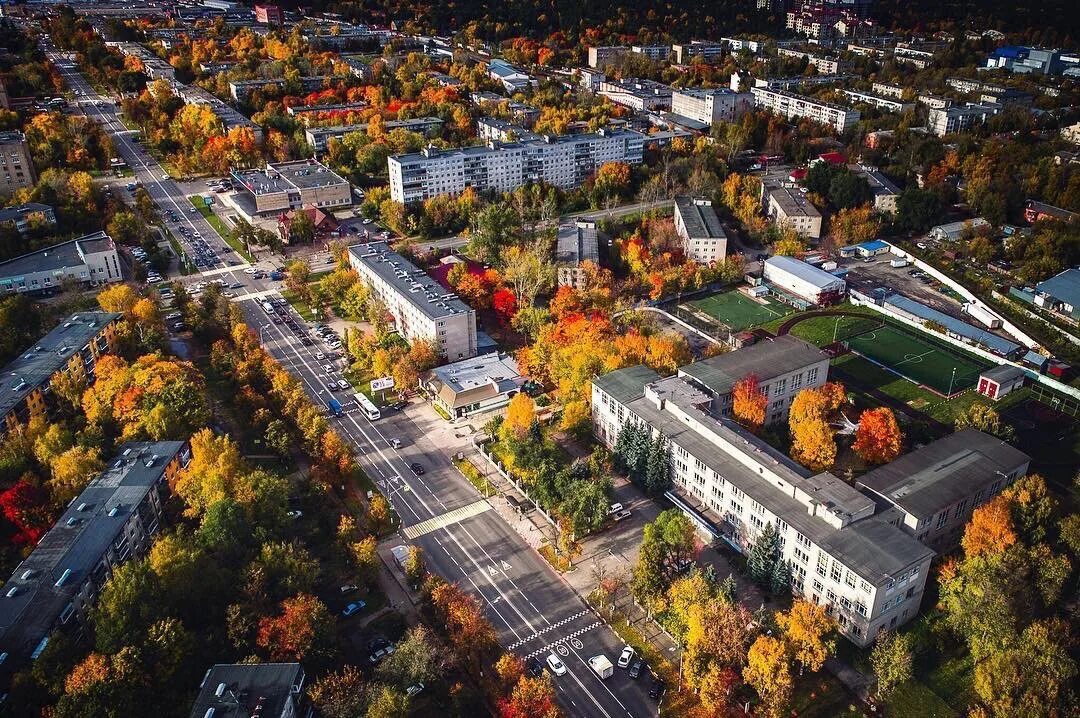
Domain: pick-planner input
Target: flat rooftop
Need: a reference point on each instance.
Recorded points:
(479, 150)
(35, 365)
(44, 584)
(471, 380)
(410, 282)
(415, 124)
(766, 359)
(576, 242)
(250, 689)
(700, 219)
(792, 202)
(935, 476)
(285, 176)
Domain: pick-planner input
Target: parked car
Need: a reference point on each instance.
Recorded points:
(657, 689)
(556, 665)
(635, 668)
(414, 689)
(615, 508)
(626, 656)
(347, 588)
(353, 608)
(624, 514)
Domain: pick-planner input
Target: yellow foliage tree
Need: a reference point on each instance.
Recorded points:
(805, 627)
(520, 415)
(769, 673)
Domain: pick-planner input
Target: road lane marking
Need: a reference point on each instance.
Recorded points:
(552, 627)
(559, 644)
(443, 520)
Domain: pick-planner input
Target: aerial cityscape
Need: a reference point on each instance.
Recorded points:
(394, 359)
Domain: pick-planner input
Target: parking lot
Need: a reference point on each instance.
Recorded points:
(865, 277)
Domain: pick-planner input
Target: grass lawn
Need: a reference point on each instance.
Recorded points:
(184, 267)
(298, 304)
(822, 696)
(917, 700)
(872, 376)
(738, 312)
(220, 227)
(822, 331)
(925, 361)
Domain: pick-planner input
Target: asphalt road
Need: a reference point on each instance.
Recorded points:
(532, 609)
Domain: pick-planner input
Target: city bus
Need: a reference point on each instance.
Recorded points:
(370, 410)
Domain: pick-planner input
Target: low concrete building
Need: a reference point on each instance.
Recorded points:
(513, 79)
(703, 236)
(886, 194)
(958, 118)
(576, 242)
(21, 216)
(637, 94)
(244, 690)
(600, 56)
(805, 281)
(786, 205)
(1060, 293)
(473, 386)
(933, 490)
(999, 381)
(90, 260)
(953, 231)
(283, 186)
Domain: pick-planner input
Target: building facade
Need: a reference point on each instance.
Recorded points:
(711, 106)
(707, 51)
(421, 308)
(575, 242)
(958, 118)
(283, 186)
(319, 137)
(639, 95)
(600, 56)
(565, 161)
(703, 237)
(485, 383)
(792, 106)
(16, 165)
(868, 574)
(786, 205)
(114, 519)
(888, 104)
(91, 260)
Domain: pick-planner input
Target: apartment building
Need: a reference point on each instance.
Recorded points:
(792, 106)
(590, 79)
(16, 165)
(72, 347)
(112, 520)
(600, 56)
(240, 90)
(888, 104)
(886, 193)
(824, 65)
(637, 94)
(794, 82)
(754, 47)
(703, 236)
(784, 366)
(247, 690)
(283, 186)
(711, 106)
(565, 161)
(90, 260)
(931, 492)
(319, 137)
(422, 309)
(883, 89)
(575, 242)
(495, 129)
(869, 574)
(517, 111)
(303, 112)
(707, 51)
(787, 205)
(22, 216)
(653, 52)
(958, 118)
(269, 14)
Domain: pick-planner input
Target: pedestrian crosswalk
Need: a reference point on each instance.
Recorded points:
(571, 638)
(443, 520)
(552, 627)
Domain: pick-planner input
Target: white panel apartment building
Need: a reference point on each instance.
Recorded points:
(791, 106)
(565, 161)
(711, 106)
(703, 237)
(422, 309)
(869, 573)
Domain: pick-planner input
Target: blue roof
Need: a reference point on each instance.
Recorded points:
(1065, 286)
(973, 333)
(1011, 51)
(873, 245)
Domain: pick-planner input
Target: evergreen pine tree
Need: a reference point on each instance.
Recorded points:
(759, 564)
(658, 467)
(622, 446)
(780, 577)
(727, 589)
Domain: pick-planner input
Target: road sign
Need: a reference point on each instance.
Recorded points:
(382, 384)
(506, 566)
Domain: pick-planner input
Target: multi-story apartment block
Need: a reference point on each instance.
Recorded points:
(269, 14)
(883, 89)
(784, 366)
(886, 194)
(576, 242)
(283, 186)
(492, 128)
(590, 79)
(868, 573)
(919, 55)
(89, 260)
(422, 309)
(244, 690)
(711, 106)
(240, 90)
(933, 102)
(786, 205)
(304, 112)
(824, 65)
(565, 161)
(703, 237)
(319, 137)
(16, 165)
(958, 118)
(23, 216)
(653, 52)
(637, 94)
(931, 492)
(73, 348)
(754, 47)
(707, 51)
(888, 104)
(517, 111)
(600, 56)
(796, 81)
(792, 106)
(113, 519)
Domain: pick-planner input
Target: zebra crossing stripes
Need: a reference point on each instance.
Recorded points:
(571, 638)
(542, 631)
(448, 519)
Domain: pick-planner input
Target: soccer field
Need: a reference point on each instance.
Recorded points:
(919, 359)
(739, 312)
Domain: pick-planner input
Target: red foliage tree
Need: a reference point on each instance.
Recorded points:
(506, 304)
(303, 627)
(878, 438)
(27, 507)
(748, 403)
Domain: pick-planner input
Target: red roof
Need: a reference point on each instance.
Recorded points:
(797, 174)
(834, 158)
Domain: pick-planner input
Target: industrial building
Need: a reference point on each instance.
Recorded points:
(804, 280)
(703, 237)
(422, 309)
(1060, 293)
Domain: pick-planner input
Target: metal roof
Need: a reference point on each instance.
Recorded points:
(700, 218)
(57, 257)
(249, 689)
(805, 272)
(766, 359)
(576, 242)
(1064, 286)
(411, 283)
(962, 329)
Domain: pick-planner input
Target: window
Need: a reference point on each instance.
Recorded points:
(864, 587)
(818, 586)
(835, 571)
(811, 375)
(822, 564)
(802, 540)
(849, 579)
(756, 507)
(756, 521)
(960, 509)
(942, 518)
(796, 381)
(780, 387)
(800, 555)
(860, 608)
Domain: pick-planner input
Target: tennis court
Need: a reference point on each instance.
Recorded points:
(921, 360)
(738, 312)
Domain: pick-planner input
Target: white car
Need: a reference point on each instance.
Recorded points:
(615, 508)
(343, 385)
(251, 270)
(164, 177)
(320, 356)
(557, 666)
(329, 369)
(625, 657)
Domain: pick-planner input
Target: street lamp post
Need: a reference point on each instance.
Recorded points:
(951, 379)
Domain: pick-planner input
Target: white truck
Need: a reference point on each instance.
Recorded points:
(602, 666)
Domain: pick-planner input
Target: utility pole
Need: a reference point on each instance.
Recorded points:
(951, 379)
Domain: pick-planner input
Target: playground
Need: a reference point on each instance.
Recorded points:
(918, 359)
(737, 312)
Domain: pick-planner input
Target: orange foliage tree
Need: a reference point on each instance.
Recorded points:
(531, 698)
(303, 629)
(468, 631)
(991, 528)
(748, 403)
(878, 438)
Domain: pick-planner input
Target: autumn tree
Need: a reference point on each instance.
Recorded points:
(813, 444)
(878, 439)
(891, 659)
(749, 402)
(520, 415)
(986, 419)
(342, 694)
(717, 638)
(854, 225)
(471, 636)
(805, 628)
(768, 672)
(302, 631)
(991, 529)
(530, 698)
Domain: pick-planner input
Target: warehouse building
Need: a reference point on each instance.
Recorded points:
(804, 281)
(955, 328)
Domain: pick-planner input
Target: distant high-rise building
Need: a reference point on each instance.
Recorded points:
(16, 166)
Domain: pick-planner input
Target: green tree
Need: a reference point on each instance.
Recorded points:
(891, 659)
(492, 228)
(658, 467)
(128, 605)
(917, 209)
(301, 228)
(765, 563)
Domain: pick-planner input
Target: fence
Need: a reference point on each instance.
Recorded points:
(485, 452)
(1055, 401)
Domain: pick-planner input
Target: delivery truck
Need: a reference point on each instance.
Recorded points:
(602, 666)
